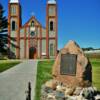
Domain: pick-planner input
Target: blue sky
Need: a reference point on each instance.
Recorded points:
(78, 20)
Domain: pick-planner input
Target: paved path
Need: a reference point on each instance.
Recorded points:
(14, 82)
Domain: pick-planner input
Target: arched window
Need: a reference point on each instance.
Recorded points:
(13, 10)
(32, 23)
(51, 26)
(51, 50)
(13, 26)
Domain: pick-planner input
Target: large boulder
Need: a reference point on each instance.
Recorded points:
(82, 66)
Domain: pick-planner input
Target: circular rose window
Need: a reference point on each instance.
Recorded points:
(32, 33)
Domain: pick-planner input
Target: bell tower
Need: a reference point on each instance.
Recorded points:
(14, 24)
(51, 29)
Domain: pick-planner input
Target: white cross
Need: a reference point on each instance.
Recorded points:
(32, 14)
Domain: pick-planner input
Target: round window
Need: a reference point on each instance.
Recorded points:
(32, 33)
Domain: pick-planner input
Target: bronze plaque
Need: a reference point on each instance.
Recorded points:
(68, 64)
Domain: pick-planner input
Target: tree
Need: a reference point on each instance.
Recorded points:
(3, 31)
(88, 49)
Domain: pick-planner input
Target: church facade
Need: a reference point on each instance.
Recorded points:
(32, 40)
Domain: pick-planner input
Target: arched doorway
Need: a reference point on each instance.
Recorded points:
(32, 53)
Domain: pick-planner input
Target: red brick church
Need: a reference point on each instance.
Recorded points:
(32, 40)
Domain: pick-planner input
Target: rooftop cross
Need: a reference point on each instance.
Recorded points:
(32, 14)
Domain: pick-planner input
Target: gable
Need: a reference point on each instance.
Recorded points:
(36, 22)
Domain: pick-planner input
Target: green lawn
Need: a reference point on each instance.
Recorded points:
(96, 72)
(6, 64)
(45, 69)
(43, 74)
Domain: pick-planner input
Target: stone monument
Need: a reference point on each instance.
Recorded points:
(72, 76)
(72, 66)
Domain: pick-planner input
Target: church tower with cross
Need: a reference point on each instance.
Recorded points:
(32, 40)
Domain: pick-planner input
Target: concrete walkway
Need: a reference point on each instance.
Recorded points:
(14, 82)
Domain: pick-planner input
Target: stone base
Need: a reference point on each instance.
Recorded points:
(54, 90)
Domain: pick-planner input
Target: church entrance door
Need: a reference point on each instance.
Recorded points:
(32, 53)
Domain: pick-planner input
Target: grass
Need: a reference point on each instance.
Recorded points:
(6, 64)
(96, 72)
(45, 69)
(43, 74)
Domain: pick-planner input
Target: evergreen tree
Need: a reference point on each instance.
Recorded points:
(3, 31)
